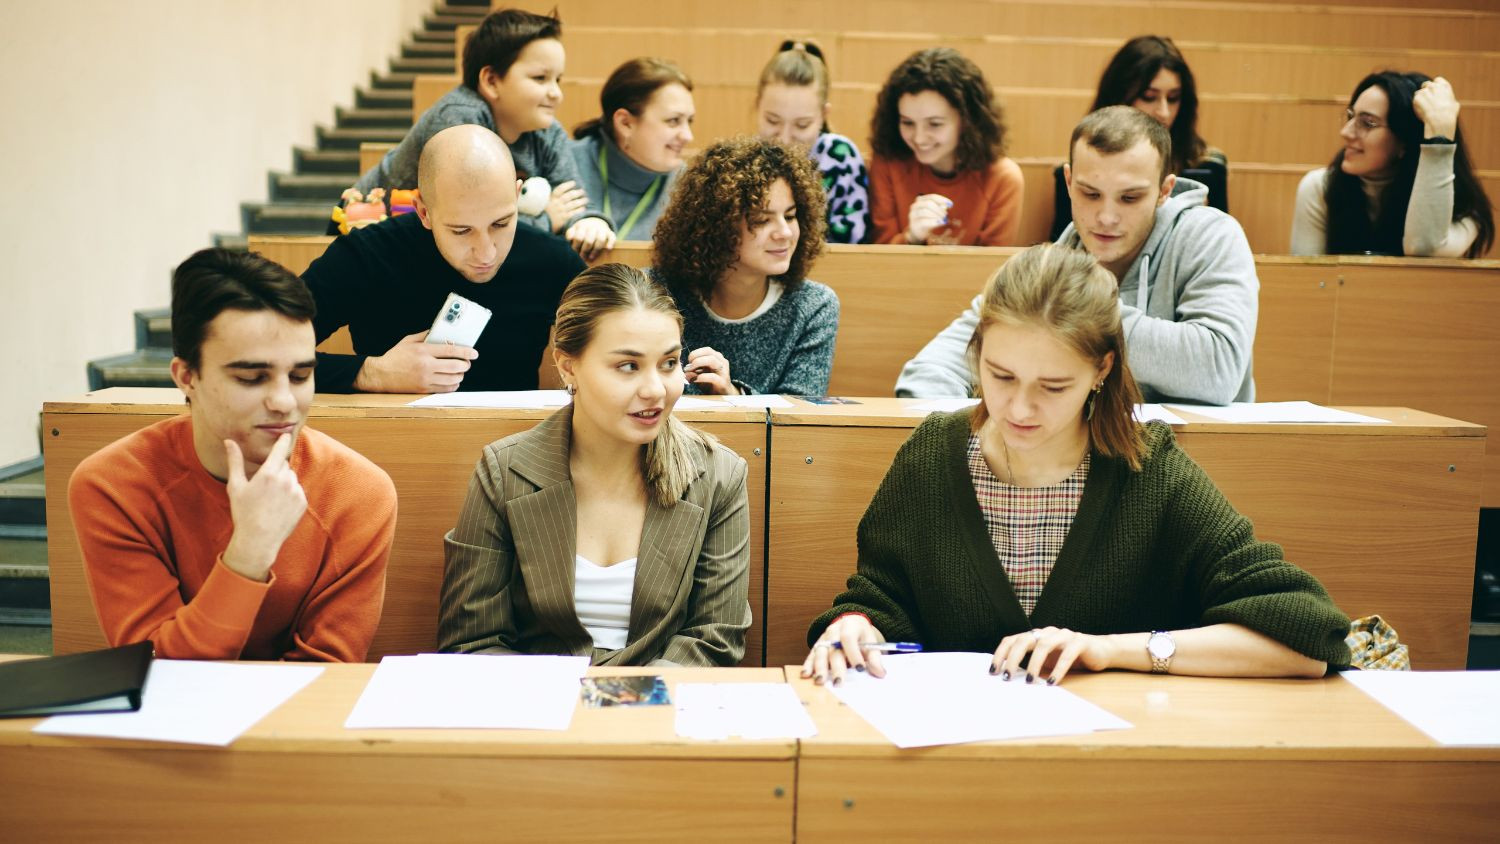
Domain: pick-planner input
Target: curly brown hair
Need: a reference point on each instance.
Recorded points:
(697, 238)
(981, 138)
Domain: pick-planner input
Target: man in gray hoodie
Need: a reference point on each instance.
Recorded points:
(1188, 290)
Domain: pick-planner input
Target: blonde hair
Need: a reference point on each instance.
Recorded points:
(667, 461)
(1068, 293)
(797, 64)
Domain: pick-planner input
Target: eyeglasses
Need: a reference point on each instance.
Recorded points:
(1364, 124)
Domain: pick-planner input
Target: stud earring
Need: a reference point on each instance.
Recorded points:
(572, 390)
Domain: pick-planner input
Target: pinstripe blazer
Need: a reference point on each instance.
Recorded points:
(508, 573)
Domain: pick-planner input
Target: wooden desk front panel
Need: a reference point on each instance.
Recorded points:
(1427, 334)
(430, 459)
(1380, 520)
(300, 776)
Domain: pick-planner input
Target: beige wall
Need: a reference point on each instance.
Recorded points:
(131, 132)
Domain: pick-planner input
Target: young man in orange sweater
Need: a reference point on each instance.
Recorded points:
(230, 532)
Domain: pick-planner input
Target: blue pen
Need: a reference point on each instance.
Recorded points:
(888, 647)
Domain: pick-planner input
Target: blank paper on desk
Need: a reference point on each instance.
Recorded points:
(194, 703)
(951, 698)
(470, 691)
(1453, 707)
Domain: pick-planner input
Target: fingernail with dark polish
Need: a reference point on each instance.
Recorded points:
(1051, 681)
(994, 669)
(1029, 678)
(1005, 675)
(838, 680)
(818, 679)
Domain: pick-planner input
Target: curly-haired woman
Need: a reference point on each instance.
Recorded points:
(939, 173)
(734, 246)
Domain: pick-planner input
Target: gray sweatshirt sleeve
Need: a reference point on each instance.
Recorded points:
(1431, 230)
(811, 360)
(1310, 217)
(941, 369)
(1202, 351)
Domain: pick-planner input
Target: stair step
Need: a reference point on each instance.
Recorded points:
(449, 22)
(233, 242)
(140, 368)
(288, 218)
(23, 502)
(383, 98)
(430, 50)
(342, 161)
(153, 328)
(392, 81)
(422, 36)
(309, 187)
(441, 64)
(23, 558)
(350, 138)
(476, 8)
(349, 118)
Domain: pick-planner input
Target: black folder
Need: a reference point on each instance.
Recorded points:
(110, 680)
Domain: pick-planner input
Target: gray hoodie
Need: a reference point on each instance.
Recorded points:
(1189, 333)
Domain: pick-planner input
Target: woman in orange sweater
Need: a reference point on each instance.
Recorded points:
(939, 174)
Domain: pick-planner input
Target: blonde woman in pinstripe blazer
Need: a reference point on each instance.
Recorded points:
(613, 477)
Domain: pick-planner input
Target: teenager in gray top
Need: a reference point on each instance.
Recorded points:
(734, 246)
(629, 157)
(1189, 295)
(512, 65)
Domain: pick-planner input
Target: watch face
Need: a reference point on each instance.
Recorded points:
(1161, 646)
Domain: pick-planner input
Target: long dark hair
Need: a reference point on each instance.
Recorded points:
(1129, 74)
(1350, 231)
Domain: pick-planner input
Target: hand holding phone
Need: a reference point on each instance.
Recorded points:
(459, 322)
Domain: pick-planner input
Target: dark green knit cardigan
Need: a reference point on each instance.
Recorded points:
(1158, 549)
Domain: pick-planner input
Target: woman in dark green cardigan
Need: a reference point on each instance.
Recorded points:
(1045, 524)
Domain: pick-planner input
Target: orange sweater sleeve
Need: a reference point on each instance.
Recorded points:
(887, 217)
(136, 595)
(341, 614)
(1004, 201)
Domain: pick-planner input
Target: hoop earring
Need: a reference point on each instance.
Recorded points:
(1093, 399)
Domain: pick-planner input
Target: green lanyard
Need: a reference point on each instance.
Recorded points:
(640, 207)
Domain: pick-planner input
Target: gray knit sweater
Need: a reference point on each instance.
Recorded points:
(541, 153)
(1158, 549)
(788, 349)
(628, 184)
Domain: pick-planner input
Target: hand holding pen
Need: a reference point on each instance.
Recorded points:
(850, 641)
(709, 370)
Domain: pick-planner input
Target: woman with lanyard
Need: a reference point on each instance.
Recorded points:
(629, 157)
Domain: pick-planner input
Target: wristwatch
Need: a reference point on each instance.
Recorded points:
(1160, 648)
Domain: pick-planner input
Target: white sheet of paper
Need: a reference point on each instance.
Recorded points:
(470, 691)
(695, 403)
(758, 401)
(746, 710)
(1281, 411)
(951, 698)
(1148, 412)
(1453, 707)
(194, 703)
(944, 405)
(496, 399)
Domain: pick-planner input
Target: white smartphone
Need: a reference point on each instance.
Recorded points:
(460, 322)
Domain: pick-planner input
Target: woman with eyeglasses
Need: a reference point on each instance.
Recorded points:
(1402, 184)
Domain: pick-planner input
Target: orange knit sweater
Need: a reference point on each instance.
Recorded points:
(153, 525)
(986, 203)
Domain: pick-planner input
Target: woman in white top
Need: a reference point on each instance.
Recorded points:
(611, 529)
(1402, 184)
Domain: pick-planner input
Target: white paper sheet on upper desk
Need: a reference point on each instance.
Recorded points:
(194, 702)
(474, 691)
(1453, 707)
(1281, 411)
(758, 401)
(525, 399)
(746, 710)
(951, 698)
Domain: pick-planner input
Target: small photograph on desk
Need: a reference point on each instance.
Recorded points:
(649, 690)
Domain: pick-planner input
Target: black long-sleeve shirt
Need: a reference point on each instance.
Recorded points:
(389, 280)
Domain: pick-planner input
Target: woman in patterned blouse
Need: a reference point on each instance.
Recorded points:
(1048, 526)
(791, 105)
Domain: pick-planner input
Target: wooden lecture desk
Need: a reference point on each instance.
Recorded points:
(1384, 515)
(298, 775)
(428, 452)
(1206, 760)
